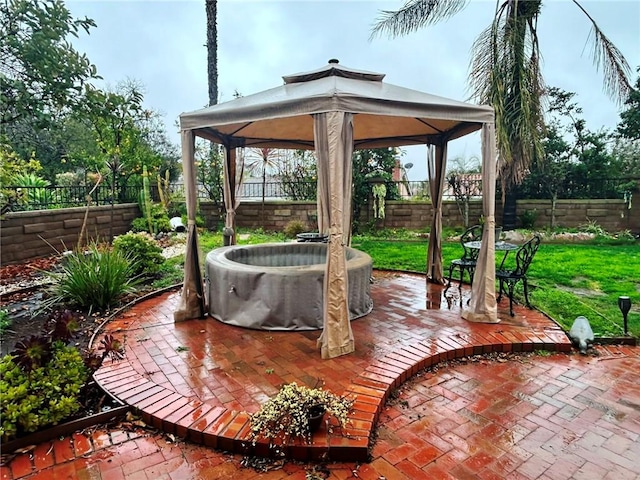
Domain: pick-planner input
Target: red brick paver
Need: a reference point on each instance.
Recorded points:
(209, 364)
(556, 417)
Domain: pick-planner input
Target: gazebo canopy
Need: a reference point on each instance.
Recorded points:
(385, 115)
(335, 110)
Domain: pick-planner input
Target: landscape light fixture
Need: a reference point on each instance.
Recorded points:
(624, 304)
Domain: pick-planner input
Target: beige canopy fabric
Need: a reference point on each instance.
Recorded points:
(192, 300)
(385, 115)
(334, 140)
(231, 187)
(436, 166)
(382, 115)
(483, 306)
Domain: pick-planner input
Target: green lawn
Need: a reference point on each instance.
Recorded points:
(566, 280)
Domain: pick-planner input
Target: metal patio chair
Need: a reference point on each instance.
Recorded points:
(469, 257)
(524, 257)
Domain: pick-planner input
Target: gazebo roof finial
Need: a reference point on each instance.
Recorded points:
(333, 69)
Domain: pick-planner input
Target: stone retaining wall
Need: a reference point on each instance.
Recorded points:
(612, 215)
(26, 235)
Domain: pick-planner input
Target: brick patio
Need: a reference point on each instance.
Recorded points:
(542, 417)
(200, 379)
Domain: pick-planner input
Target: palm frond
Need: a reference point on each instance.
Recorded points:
(414, 15)
(607, 57)
(505, 73)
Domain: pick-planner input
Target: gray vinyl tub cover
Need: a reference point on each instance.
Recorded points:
(280, 286)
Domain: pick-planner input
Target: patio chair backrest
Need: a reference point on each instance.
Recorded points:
(471, 234)
(525, 255)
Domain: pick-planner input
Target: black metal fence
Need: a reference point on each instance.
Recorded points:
(573, 187)
(45, 198)
(42, 198)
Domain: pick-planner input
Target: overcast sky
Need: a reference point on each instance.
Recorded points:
(162, 45)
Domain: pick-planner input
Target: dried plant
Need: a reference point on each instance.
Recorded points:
(287, 414)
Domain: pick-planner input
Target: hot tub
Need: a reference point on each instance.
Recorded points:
(279, 286)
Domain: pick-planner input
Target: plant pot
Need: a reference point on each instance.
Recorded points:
(316, 415)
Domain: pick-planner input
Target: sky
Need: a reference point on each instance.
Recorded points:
(162, 44)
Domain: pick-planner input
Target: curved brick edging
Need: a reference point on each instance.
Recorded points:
(228, 430)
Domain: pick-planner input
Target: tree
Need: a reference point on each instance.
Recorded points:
(298, 174)
(547, 176)
(505, 72)
(211, 7)
(628, 154)
(262, 160)
(464, 186)
(368, 164)
(13, 166)
(112, 116)
(41, 74)
(629, 126)
(211, 169)
(578, 163)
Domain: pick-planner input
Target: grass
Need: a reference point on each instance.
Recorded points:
(566, 280)
(172, 270)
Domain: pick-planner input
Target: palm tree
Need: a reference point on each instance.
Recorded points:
(211, 7)
(261, 160)
(214, 162)
(505, 73)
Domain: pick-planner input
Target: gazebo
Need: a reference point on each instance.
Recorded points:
(336, 110)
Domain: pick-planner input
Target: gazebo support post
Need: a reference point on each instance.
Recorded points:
(192, 298)
(483, 306)
(229, 192)
(436, 166)
(333, 136)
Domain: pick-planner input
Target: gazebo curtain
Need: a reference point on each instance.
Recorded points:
(436, 166)
(483, 307)
(333, 135)
(192, 300)
(231, 193)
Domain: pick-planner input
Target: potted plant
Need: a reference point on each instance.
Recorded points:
(295, 411)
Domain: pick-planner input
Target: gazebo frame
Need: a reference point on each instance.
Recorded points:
(336, 110)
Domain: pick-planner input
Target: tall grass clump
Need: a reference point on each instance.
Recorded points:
(96, 278)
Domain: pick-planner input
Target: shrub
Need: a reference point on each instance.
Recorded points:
(44, 380)
(528, 219)
(143, 250)
(5, 321)
(43, 396)
(293, 228)
(139, 225)
(159, 221)
(93, 279)
(592, 227)
(200, 222)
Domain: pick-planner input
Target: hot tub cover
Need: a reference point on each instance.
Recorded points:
(280, 286)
